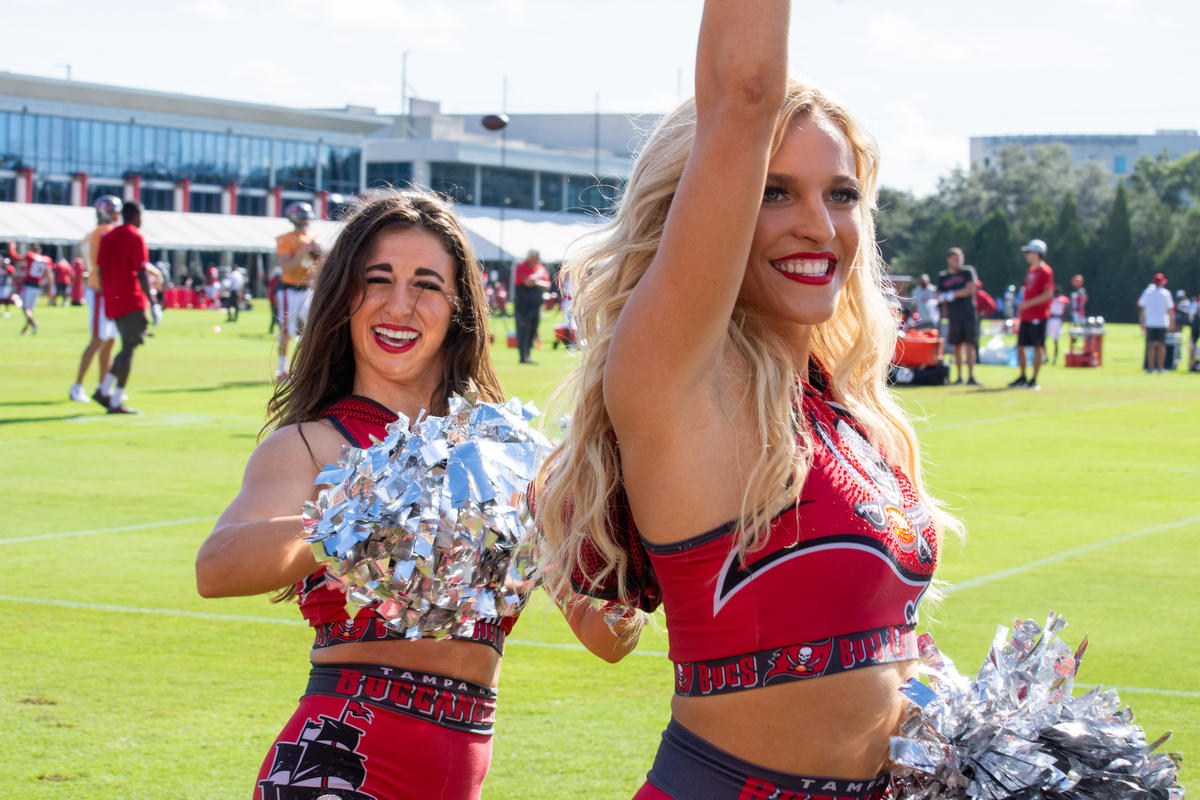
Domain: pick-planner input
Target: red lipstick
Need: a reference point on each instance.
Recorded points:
(810, 280)
(390, 345)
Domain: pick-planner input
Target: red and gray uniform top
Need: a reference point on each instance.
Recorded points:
(322, 597)
(835, 587)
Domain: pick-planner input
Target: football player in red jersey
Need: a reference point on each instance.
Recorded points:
(773, 479)
(36, 269)
(398, 321)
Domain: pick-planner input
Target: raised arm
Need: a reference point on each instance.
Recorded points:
(258, 543)
(684, 301)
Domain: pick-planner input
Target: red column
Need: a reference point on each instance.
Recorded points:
(320, 204)
(183, 194)
(275, 201)
(133, 188)
(24, 188)
(79, 189)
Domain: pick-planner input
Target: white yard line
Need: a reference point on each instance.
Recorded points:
(1054, 559)
(94, 531)
(171, 612)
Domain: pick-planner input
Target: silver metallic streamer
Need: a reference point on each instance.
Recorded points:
(428, 526)
(1017, 731)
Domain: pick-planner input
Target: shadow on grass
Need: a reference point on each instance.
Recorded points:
(16, 420)
(34, 403)
(214, 388)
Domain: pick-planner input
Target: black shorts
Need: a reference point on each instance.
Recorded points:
(964, 332)
(1032, 333)
(1156, 335)
(687, 766)
(132, 327)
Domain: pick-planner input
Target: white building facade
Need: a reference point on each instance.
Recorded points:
(1118, 152)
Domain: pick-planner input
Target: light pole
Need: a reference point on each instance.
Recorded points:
(499, 122)
(404, 91)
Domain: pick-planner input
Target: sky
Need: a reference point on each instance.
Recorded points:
(924, 76)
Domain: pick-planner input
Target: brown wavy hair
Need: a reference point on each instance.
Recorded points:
(322, 368)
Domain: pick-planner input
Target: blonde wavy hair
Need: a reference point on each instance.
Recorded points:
(855, 346)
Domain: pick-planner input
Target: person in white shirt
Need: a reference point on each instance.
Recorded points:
(926, 304)
(1155, 315)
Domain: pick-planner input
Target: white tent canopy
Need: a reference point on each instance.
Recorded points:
(168, 230)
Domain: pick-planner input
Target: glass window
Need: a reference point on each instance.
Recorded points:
(340, 172)
(588, 194)
(511, 188)
(454, 180)
(158, 199)
(1119, 167)
(204, 202)
(382, 174)
(8, 187)
(41, 161)
(550, 191)
(53, 193)
(249, 206)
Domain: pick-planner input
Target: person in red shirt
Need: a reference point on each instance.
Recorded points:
(532, 281)
(35, 269)
(1033, 312)
(62, 281)
(122, 258)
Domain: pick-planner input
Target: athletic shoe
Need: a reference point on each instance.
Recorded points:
(123, 409)
(35, 329)
(1033, 384)
(102, 399)
(958, 382)
(1018, 383)
(78, 394)
(972, 382)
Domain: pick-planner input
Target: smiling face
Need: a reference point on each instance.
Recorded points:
(808, 226)
(400, 322)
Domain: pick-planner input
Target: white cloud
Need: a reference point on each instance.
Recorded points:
(915, 150)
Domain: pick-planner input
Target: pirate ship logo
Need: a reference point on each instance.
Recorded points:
(323, 763)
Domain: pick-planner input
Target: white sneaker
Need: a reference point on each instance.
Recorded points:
(78, 394)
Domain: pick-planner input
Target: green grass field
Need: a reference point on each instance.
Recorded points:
(118, 680)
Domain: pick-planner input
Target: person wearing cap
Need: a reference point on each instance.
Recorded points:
(956, 290)
(1155, 308)
(1033, 310)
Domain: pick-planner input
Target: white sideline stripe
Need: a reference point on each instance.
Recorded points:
(171, 612)
(1054, 559)
(140, 527)
(168, 612)
(1075, 409)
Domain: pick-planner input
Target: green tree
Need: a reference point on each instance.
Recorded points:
(902, 224)
(1069, 252)
(950, 232)
(1037, 221)
(1181, 259)
(996, 253)
(1114, 290)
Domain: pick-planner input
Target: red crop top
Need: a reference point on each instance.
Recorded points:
(836, 586)
(322, 597)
